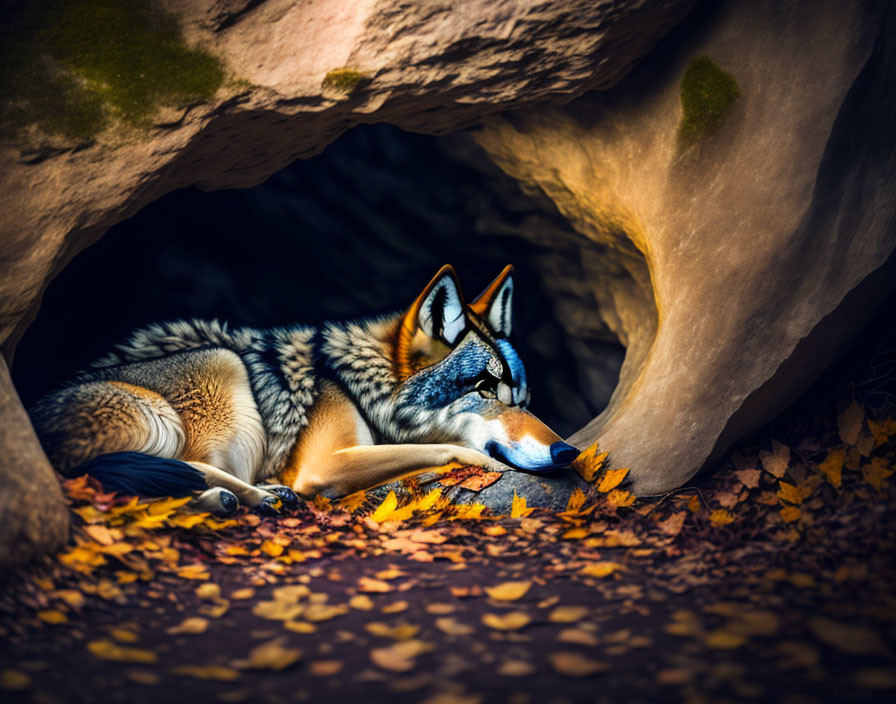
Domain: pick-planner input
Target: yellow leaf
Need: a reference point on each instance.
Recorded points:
(270, 655)
(352, 502)
(324, 612)
(511, 621)
(789, 492)
(207, 672)
(324, 668)
(376, 586)
(401, 631)
(400, 656)
(245, 593)
(167, 506)
(611, 479)
(385, 509)
(396, 607)
(271, 548)
(518, 508)
(107, 650)
(618, 497)
(453, 627)
(574, 664)
(508, 591)
(876, 472)
(467, 511)
(832, 466)
(721, 517)
(600, 569)
(193, 572)
(789, 514)
(576, 533)
(52, 616)
(299, 627)
(588, 463)
(576, 501)
(192, 626)
(361, 602)
(722, 639)
(209, 590)
(516, 668)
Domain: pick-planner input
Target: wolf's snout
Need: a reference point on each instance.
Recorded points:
(563, 454)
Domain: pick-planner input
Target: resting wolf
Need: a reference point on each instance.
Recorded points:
(194, 406)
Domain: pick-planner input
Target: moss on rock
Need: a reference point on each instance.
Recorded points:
(708, 95)
(344, 80)
(75, 64)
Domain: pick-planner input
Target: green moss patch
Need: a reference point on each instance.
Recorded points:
(70, 66)
(708, 95)
(345, 80)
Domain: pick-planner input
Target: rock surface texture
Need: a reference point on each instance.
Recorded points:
(733, 267)
(299, 74)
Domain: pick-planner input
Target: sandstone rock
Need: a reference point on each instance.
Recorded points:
(734, 266)
(34, 516)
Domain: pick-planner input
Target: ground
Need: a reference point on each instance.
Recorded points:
(770, 579)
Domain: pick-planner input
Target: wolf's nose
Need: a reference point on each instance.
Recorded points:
(563, 453)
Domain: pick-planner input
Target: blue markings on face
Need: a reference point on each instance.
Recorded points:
(448, 380)
(519, 386)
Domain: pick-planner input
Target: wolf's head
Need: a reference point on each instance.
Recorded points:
(461, 380)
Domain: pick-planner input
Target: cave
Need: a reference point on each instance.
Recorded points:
(697, 200)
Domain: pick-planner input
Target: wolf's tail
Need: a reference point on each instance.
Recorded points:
(142, 475)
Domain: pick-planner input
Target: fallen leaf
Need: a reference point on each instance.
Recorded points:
(14, 680)
(516, 668)
(385, 509)
(453, 627)
(209, 590)
(575, 664)
(611, 479)
(508, 591)
(789, 514)
(192, 626)
(401, 631)
(207, 672)
(376, 586)
(518, 508)
(674, 523)
(107, 650)
(361, 602)
(875, 678)
(271, 655)
(600, 569)
(52, 616)
(400, 656)
(325, 668)
(621, 498)
(721, 517)
(776, 461)
(511, 621)
(832, 466)
(577, 636)
(748, 477)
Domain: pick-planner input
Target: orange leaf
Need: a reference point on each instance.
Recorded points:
(519, 509)
(832, 466)
(611, 479)
(721, 517)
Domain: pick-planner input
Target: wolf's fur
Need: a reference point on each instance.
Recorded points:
(334, 409)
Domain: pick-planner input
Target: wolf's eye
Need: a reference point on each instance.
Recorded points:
(487, 386)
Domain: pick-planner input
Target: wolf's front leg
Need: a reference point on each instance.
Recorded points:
(262, 500)
(365, 466)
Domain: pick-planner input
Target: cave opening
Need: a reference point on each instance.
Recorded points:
(354, 231)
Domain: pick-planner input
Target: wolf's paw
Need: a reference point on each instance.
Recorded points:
(289, 498)
(268, 506)
(219, 501)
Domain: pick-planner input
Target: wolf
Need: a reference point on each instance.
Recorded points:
(262, 417)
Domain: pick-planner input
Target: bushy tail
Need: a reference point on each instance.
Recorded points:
(142, 475)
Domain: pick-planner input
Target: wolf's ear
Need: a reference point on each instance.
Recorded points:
(494, 304)
(439, 310)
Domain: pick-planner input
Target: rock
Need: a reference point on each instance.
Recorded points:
(735, 259)
(34, 518)
(288, 78)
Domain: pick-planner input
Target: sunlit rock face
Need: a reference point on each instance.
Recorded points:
(734, 251)
(295, 76)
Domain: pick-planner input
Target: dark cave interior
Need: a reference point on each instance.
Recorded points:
(354, 231)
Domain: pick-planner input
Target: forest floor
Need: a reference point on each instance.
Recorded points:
(772, 579)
